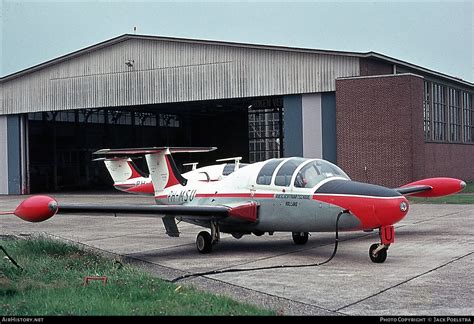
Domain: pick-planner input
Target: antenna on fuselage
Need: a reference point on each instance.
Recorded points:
(194, 165)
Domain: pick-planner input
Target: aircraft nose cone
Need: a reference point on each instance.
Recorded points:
(463, 185)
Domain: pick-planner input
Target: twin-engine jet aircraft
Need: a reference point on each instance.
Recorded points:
(294, 194)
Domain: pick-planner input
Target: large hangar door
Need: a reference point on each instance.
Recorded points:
(61, 144)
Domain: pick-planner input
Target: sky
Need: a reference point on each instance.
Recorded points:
(435, 35)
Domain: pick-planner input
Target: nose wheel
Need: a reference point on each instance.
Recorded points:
(378, 253)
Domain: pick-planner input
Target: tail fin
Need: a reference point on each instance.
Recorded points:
(163, 170)
(121, 169)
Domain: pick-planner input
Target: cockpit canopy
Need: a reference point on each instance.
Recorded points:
(299, 172)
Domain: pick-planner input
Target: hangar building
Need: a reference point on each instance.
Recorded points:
(382, 120)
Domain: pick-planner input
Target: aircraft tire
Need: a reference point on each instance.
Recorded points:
(300, 238)
(380, 257)
(204, 242)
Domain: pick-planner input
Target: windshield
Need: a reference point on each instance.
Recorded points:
(316, 171)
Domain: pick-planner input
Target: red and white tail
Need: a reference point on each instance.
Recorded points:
(163, 170)
(122, 169)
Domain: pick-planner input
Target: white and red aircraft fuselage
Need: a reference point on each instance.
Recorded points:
(294, 194)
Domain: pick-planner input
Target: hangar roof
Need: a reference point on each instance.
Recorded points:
(125, 37)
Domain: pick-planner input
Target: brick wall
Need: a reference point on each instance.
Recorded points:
(375, 117)
(379, 124)
(374, 67)
(447, 160)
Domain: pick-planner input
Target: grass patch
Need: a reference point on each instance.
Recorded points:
(52, 283)
(465, 197)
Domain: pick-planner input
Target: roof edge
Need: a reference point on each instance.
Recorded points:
(125, 37)
(417, 67)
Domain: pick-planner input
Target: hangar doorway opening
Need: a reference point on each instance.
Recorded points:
(61, 143)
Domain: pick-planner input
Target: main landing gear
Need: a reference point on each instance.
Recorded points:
(378, 251)
(300, 238)
(205, 241)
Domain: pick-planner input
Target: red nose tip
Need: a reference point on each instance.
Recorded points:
(37, 209)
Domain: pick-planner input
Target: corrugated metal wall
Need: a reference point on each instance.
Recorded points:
(168, 71)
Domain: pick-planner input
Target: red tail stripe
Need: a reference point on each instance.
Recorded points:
(172, 180)
(135, 173)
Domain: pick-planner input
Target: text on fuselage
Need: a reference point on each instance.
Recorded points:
(181, 195)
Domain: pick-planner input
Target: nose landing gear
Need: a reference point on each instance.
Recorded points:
(378, 251)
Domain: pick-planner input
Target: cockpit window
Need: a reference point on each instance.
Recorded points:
(314, 172)
(265, 175)
(285, 173)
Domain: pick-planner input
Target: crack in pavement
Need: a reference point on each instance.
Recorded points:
(404, 281)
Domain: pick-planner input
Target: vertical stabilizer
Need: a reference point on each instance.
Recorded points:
(121, 169)
(163, 170)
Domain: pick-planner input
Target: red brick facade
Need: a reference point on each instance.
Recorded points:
(379, 124)
(374, 67)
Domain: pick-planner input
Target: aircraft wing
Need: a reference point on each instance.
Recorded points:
(146, 210)
(432, 187)
(413, 189)
(40, 208)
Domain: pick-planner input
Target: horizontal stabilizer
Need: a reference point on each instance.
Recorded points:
(236, 158)
(151, 150)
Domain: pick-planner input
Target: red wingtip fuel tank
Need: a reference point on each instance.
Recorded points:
(440, 186)
(37, 209)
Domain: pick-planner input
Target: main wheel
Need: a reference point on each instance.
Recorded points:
(204, 242)
(380, 257)
(300, 238)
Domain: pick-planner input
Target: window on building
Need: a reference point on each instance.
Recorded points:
(119, 117)
(35, 116)
(454, 116)
(168, 120)
(93, 116)
(439, 112)
(265, 136)
(427, 110)
(145, 119)
(468, 118)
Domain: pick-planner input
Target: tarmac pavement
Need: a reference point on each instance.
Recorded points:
(429, 269)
